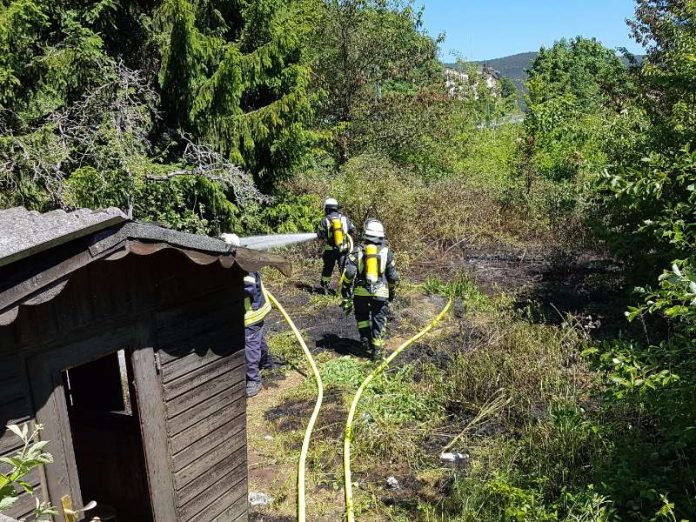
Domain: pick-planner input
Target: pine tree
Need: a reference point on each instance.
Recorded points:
(233, 73)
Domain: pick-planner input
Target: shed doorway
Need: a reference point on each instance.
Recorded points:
(105, 428)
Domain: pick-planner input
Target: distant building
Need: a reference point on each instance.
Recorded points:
(464, 83)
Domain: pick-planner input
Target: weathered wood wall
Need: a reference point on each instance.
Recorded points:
(196, 316)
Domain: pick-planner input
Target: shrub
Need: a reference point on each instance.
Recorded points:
(30, 456)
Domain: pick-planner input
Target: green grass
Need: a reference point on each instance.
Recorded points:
(285, 346)
(513, 394)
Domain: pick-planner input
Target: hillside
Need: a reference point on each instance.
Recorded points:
(514, 66)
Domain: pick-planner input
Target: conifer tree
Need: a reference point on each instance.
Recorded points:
(233, 73)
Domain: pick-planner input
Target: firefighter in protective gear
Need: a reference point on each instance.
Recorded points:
(369, 280)
(334, 230)
(256, 308)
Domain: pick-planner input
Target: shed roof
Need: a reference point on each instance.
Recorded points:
(54, 245)
(24, 232)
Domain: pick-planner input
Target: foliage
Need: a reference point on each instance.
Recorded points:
(369, 57)
(576, 89)
(289, 213)
(233, 73)
(30, 456)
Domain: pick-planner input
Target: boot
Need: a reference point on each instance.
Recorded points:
(365, 344)
(376, 353)
(324, 288)
(253, 388)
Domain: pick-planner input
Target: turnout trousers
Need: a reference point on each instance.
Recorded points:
(255, 352)
(371, 315)
(331, 258)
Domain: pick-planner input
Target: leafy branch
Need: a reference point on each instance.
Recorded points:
(30, 456)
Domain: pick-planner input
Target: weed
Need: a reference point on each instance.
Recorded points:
(284, 345)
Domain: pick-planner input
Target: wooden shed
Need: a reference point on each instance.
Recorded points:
(125, 341)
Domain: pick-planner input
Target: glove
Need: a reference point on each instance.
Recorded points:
(347, 305)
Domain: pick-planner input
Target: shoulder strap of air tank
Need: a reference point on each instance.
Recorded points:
(383, 258)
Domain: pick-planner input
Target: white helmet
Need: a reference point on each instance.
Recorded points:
(374, 230)
(330, 203)
(230, 239)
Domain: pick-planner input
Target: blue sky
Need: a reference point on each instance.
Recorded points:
(482, 29)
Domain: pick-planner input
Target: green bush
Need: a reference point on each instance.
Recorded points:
(18, 466)
(288, 213)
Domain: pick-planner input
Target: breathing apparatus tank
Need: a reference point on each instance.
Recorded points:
(337, 231)
(372, 263)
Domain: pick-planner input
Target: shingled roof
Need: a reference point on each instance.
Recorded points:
(40, 252)
(24, 233)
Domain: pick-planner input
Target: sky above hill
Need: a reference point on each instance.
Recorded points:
(483, 29)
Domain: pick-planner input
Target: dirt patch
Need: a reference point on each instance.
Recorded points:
(260, 517)
(548, 285)
(545, 288)
(293, 414)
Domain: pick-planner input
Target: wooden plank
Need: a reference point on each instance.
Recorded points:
(154, 434)
(201, 411)
(12, 390)
(200, 375)
(196, 431)
(208, 389)
(8, 440)
(175, 367)
(227, 507)
(48, 393)
(215, 321)
(15, 411)
(197, 448)
(24, 505)
(211, 495)
(26, 502)
(222, 338)
(9, 367)
(222, 458)
(244, 517)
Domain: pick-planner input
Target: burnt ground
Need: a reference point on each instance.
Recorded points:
(545, 286)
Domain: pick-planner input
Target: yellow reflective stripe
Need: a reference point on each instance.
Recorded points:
(377, 342)
(326, 278)
(329, 247)
(247, 304)
(254, 316)
(257, 315)
(250, 279)
(364, 324)
(381, 291)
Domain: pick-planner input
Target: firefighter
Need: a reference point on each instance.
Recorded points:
(368, 285)
(333, 230)
(256, 308)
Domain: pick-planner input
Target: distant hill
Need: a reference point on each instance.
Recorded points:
(515, 67)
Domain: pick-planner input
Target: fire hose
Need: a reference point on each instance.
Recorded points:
(348, 433)
(301, 508)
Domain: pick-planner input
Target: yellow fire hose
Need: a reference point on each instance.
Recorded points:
(312, 419)
(348, 433)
